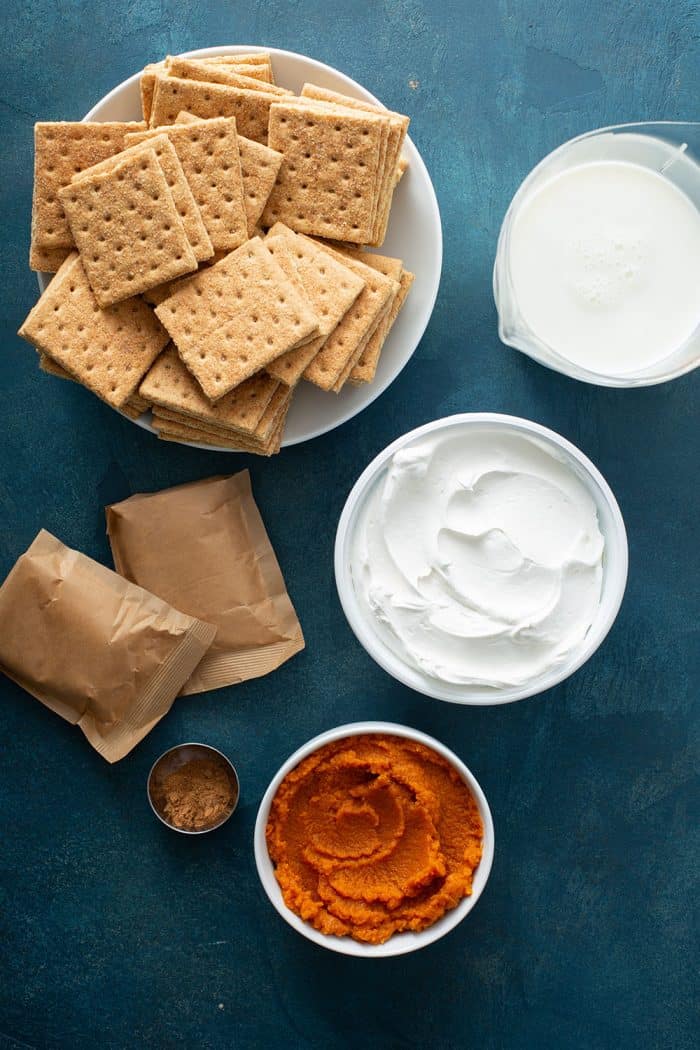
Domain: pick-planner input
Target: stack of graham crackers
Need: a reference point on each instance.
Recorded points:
(212, 256)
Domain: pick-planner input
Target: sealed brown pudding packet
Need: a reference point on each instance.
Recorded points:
(204, 549)
(101, 652)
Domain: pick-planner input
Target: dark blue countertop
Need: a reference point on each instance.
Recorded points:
(116, 933)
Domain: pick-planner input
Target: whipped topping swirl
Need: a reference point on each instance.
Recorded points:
(478, 557)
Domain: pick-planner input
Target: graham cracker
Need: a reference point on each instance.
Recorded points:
(350, 335)
(209, 154)
(264, 430)
(290, 367)
(131, 410)
(366, 367)
(366, 339)
(332, 108)
(392, 268)
(133, 407)
(385, 264)
(397, 134)
(183, 435)
(232, 319)
(327, 184)
(179, 187)
(258, 62)
(171, 386)
(254, 66)
(109, 351)
(281, 252)
(46, 364)
(259, 168)
(147, 84)
(170, 430)
(218, 73)
(183, 431)
(401, 167)
(155, 296)
(250, 108)
(127, 228)
(398, 126)
(47, 260)
(330, 286)
(258, 66)
(61, 149)
(245, 57)
(136, 401)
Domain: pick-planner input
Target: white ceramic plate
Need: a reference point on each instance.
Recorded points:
(400, 943)
(414, 235)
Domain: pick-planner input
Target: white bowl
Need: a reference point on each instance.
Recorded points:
(414, 235)
(400, 943)
(615, 560)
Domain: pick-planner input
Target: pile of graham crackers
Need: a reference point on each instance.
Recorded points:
(210, 257)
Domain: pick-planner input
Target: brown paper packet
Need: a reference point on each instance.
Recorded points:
(203, 548)
(101, 652)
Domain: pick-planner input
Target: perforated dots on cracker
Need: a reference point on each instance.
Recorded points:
(393, 169)
(109, 351)
(290, 367)
(365, 368)
(346, 342)
(127, 228)
(250, 108)
(232, 319)
(259, 168)
(183, 198)
(172, 387)
(61, 150)
(331, 287)
(219, 73)
(257, 67)
(208, 151)
(330, 175)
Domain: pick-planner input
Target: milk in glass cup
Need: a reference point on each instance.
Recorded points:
(597, 271)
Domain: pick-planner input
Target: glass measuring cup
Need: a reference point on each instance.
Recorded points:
(666, 147)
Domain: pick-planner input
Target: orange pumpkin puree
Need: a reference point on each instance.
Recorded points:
(372, 835)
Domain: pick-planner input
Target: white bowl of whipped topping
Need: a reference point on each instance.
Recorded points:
(481, 559)
(598, 261)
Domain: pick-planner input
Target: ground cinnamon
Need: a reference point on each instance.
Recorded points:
(195, 795)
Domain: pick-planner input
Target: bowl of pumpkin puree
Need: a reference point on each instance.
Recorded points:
(374, 839)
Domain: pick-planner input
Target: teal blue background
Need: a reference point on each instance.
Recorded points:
(116, 933)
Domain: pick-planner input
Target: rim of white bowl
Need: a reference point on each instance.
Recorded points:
(377, 388)
(615, 567)
(400, 943)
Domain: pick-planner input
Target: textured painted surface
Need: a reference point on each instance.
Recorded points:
(117, 934)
